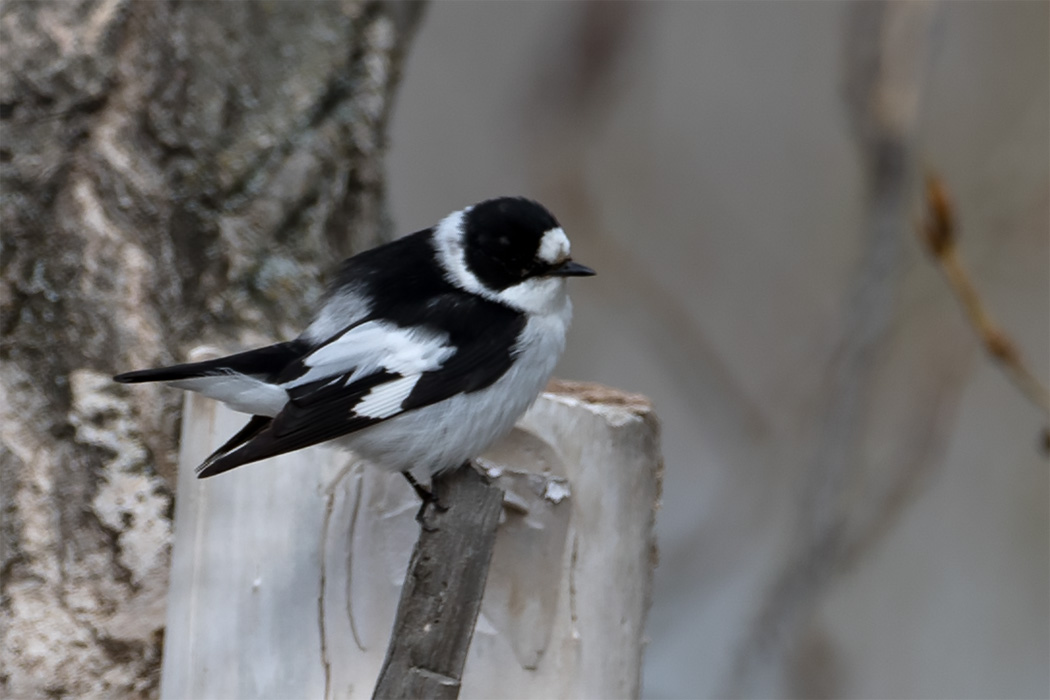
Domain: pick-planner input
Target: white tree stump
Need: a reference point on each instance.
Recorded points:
(286, 574)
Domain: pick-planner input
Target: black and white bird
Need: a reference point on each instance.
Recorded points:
(425, 351)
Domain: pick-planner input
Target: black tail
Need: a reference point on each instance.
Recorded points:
(261, 362)
(229, 456)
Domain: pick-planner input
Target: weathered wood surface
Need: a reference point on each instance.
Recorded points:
(441, 596)
(286, 574)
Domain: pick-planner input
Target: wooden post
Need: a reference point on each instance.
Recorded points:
(286, 574)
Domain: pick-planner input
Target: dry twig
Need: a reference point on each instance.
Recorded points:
(938, 233)
(441, 596)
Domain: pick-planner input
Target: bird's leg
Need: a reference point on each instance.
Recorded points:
(423, 493)
(426, 495)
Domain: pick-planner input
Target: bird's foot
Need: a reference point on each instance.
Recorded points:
(428, 498)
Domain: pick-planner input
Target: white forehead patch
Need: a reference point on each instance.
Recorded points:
(554, 246)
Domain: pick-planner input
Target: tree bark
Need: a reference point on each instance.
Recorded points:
(171, 173)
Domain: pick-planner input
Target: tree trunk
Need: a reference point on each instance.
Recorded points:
(171, 172)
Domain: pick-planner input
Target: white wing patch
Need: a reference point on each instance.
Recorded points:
(385, 400)
(374, 346)
(343, 308)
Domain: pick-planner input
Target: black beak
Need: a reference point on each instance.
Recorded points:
(570, 268)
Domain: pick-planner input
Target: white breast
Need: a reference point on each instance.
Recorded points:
(446, 434)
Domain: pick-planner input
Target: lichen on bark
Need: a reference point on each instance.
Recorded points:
(171, 173)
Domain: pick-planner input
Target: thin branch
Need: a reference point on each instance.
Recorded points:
(441, 596)
(885, 60)
(938, 233)
(921, 450)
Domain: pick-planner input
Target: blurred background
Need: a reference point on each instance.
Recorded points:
(855, 496)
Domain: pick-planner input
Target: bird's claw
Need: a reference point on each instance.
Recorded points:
(429, 499)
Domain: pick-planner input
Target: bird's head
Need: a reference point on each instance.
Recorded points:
(508, 249)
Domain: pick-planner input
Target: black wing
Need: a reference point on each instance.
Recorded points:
(264, 362)
(333, 392)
